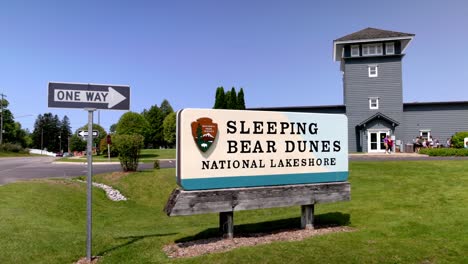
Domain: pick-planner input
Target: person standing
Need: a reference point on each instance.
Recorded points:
(390, 144)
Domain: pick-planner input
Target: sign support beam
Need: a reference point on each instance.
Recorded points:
(89, 154)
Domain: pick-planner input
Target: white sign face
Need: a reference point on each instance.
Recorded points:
(98, 96)
(465, 142)
(231, 148)
(84, 133)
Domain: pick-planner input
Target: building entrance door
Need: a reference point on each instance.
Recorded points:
(375, 140)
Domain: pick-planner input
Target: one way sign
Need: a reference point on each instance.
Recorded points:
(98, 96)
(84, 133)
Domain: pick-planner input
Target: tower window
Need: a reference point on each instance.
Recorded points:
(373, 71)
(373, 103)
(390, 48)
(372, 49)
(355, 51)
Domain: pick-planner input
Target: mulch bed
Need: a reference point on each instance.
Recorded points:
(215, 245)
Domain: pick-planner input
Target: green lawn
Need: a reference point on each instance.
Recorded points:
(147, 156)
(13, 154)
(402, 212)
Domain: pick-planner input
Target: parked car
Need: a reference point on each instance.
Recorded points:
(59, 154)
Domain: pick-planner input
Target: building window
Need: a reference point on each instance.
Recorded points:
(372, 49)
(373, 71)
(355, 51)
(373, 103)
(426, 134)
(390, 48)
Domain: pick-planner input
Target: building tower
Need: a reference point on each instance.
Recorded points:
(372, 85)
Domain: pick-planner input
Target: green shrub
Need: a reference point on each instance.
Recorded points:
(457, 139)
(128, 147)
(103, 148)
(9, 147)
(444, 152)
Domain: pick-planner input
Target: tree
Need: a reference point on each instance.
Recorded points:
(166, 108)
(169, 127)
(9, 126)
(46, 132)
(65, 132)
(220, 100)
(128, 147)
(154, 117)
(132, 123)
(229, 99)
(240, 100)
(77, 143)
(96, 140)
(112, 128)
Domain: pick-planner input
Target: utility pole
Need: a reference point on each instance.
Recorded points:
(1, 119)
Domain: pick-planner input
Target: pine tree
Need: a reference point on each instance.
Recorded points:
(220, 100)
(65, 132)
(231, 99)
(240, 100)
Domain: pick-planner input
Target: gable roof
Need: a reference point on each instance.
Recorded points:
(370, 35)
(379, 115)
(373, 33)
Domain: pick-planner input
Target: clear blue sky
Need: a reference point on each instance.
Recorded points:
(280, 52)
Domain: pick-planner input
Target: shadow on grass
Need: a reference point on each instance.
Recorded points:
(321, 221)
(132, 239)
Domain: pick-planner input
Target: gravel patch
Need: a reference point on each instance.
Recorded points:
(215, 245)
(94, 260)
(111, 193)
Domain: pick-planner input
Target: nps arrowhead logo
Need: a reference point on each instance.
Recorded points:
(204, 132)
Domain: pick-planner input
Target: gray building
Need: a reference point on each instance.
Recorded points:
(371, 63)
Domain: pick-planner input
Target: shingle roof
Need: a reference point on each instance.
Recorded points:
(373, 33)
(379, 116)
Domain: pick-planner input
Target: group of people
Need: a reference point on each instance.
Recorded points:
(422, 142)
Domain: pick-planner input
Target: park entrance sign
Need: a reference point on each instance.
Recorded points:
(230, 149)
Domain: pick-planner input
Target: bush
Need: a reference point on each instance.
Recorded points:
(103, 148)
(9, 147)
(156, 165)
(128, 147)
(77, 144)
(444, 152)
(457, 139)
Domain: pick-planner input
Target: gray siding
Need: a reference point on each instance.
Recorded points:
(443, 120)
(359, 87)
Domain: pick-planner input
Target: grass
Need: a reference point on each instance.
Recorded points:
(13, 154)
(403, 212)
(147, 156)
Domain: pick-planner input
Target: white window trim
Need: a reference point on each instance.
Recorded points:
(355, 55)
(428, 131)
(373, 75)
(387, 45)
(376, 103)
(366, 49)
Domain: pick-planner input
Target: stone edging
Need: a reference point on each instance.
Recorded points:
(111, 193)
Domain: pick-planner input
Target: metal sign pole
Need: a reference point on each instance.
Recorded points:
(89, 183)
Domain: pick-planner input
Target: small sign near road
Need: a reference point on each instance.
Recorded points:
(97, 96)
(84, 133)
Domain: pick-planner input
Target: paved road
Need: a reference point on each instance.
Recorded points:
(26, 168)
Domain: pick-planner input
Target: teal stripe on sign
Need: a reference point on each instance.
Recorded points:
(262, 180)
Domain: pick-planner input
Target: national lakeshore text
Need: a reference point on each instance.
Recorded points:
(274, 144)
